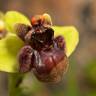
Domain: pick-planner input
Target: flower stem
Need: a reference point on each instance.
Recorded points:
(15, 80)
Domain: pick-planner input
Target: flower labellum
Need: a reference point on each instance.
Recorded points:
(43, 53)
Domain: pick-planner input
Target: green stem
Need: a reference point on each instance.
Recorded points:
(73, 87)
(15, 80)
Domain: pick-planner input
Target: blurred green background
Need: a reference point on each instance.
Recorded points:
(80, 80)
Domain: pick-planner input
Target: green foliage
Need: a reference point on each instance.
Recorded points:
(89, 72)
(15, 81)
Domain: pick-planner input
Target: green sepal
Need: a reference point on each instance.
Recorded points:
(70, 35)
(13, 17)
(9, 48)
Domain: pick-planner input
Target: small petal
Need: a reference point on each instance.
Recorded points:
(22, 30)
(26, 59)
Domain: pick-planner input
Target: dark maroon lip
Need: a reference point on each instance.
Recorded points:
(43, 53)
